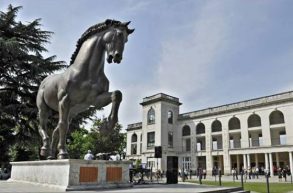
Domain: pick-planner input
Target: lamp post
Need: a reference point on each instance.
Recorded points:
(267, 181)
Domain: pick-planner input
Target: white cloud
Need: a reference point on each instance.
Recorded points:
(187, 59)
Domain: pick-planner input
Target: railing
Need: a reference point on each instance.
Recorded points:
(217, 146)
(278, 141)
(200, 148)
(255, 142)
(235, 144)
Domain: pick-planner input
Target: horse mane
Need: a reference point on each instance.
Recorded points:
(91, 31)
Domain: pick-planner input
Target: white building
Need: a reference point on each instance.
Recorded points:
(256, 132)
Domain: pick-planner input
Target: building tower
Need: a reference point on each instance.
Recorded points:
(159, 128)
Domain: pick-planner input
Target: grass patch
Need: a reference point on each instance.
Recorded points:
(259, 187)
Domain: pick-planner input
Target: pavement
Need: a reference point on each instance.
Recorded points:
(181, 187)
(15, 187)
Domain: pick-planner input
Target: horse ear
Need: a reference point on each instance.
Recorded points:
(108, 21)
(130, 31)
(126, 23)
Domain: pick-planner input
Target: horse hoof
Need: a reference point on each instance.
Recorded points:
(63, 156)
(51, 158)
(44, 152)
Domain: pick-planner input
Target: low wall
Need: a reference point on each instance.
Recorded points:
(72, 174)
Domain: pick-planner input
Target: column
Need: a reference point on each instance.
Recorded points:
(291, 161)
(256, 159)
(238, 163)
(195, 163)
(271, 164)
(248, 160)
(209, 164)
(277, 160)
(244, 161)
(266, 161)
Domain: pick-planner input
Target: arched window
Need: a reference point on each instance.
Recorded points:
(254, 121)
(151, 116)
(134, 144)
(276, 117)
(200, 128)
(134, 138)
(234, 123)
(186, 130)
(170, 117)
(216, 126)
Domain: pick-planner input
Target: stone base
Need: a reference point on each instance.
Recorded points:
(71, 174)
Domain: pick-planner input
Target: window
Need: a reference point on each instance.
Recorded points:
(151, 116)
(134, 138)
(151, 164)
(276, 117)
(283, 138)
(186, 163)
(133, 149)
(254, 121)
(186, 130)
(134, 144)
(187, 144)
(200, 128)
(216, 126)
(215, 144)
(140, 144)
(150, 140)
(170, 117)
(260, 139)
(234, 123)
(199, 145)
(231, 143)
(170, 139)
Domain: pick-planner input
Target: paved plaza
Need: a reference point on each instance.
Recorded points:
(9, 187)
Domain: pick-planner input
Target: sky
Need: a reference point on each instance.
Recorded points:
(206, 53)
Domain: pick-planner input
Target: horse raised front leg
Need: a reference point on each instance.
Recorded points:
(105, 99)
(116, 98)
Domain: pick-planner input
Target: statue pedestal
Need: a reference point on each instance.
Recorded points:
(72, 174)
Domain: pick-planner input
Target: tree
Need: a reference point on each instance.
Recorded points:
(96, 141)
(22, 68)
(79, 142)
(110, 141)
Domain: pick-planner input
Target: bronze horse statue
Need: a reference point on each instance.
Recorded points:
(83, 84)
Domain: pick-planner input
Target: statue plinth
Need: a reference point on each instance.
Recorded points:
(73, 174)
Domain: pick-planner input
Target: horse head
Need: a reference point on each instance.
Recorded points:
(114, 40)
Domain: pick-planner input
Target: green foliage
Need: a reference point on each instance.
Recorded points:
(80, 142)
(19, 153)
(109, 142)
(260, 187)
(22, 68)
(137, 163)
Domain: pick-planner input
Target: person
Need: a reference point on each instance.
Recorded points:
(285, 174)
(89, 155)
(236, 173)
(233, 172)
(204, 171)
(280, 174)
(185, 174)
(256, 171)
(249, 172)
